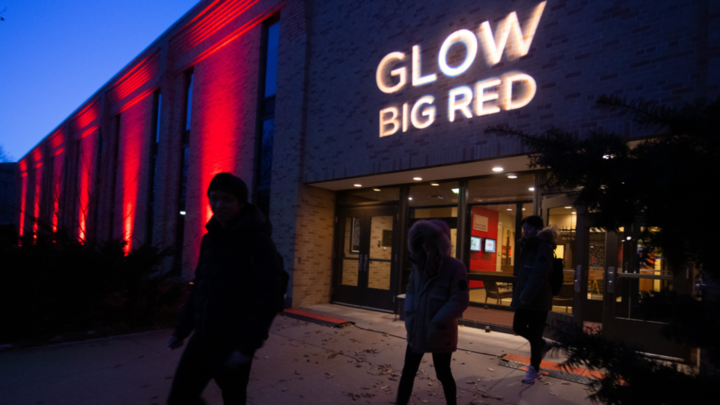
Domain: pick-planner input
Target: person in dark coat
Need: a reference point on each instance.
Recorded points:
(437, 294)
(532, 295)
(233, 299)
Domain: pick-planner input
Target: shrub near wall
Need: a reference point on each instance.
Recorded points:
(60, 289)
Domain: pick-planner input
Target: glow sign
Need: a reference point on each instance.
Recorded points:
(509, 91)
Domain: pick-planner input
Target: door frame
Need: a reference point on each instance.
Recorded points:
(644, 334)
(361, 295)
(580, 258)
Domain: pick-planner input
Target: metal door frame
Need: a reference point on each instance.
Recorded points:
(362, 295)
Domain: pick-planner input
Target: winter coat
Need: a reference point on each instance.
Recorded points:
(433, 306)
(234, 296)
(532, 272)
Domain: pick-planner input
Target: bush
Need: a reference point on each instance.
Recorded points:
(59, 286)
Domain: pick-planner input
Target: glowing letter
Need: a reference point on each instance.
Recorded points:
(417, 78)
(493, 47)
(384, 65)
(506, 90)
(393, 120)
(405, 117)
(481, 97)
(428, 112)
(468, 39)
(462, 104)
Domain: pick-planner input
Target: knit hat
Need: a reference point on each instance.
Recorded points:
(231, 184)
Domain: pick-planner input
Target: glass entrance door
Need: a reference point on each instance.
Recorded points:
(569, 305)
(639, 269)
(365, 262)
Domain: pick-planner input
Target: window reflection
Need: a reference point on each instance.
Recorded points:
(494, 232)
(436, 200)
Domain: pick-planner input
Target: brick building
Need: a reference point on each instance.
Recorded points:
(351, 120)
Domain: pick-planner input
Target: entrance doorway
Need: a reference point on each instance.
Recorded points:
(639, 269)
(365, 259)
(605, 274)
(568, 305)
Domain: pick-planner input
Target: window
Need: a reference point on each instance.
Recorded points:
(266, 132)
(152, 187)
(188, 98)
(436, 200)
(496, 206)
(184, 162)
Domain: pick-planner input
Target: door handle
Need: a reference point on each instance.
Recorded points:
(611, 280)
(578, 269)
(361, 264)
(367, 262)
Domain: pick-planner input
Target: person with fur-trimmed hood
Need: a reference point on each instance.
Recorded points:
(437, 294)
(532, 295)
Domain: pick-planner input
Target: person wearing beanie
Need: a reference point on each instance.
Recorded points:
(234, 298)
(437, 294)
(532, 294)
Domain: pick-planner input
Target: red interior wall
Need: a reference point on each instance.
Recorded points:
(481, 261)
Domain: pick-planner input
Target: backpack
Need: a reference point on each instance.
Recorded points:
(284, 280)
(556, 275)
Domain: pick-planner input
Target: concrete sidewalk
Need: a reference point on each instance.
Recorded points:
(301, 363)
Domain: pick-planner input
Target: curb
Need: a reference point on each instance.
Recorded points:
(313, 317)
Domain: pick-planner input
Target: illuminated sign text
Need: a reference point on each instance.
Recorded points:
(509, 91)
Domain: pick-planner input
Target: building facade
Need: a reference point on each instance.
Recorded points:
(351, 120)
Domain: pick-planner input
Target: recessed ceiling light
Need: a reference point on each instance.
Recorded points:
(629, 237)
(512, 176)
(376, 189)
(532, 189)
(498, 169)
(567, 208)
(456, 190)
(509, 209)
(434, 184)
(417, 178)
(357, 185)
(573, 212)
(409, 198)
(523, 209)
(182, 212)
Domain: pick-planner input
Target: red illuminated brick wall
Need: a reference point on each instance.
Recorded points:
(133, 169)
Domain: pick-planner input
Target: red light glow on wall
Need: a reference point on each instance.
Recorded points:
(23, 196)
(136, 77)
(57, 187)
(38, 189)
(86, 156)
(207, 22)
(216, 136)
(87, 115)
(37, 156)
(136, 123)
(57, 139)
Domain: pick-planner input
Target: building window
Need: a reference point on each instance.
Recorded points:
(264, 155)
(188, 98)
(496, 206)
(152, 187)
(184, 163)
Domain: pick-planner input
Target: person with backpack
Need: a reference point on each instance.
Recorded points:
(437, 294)
(234, 298)
(532, 294)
